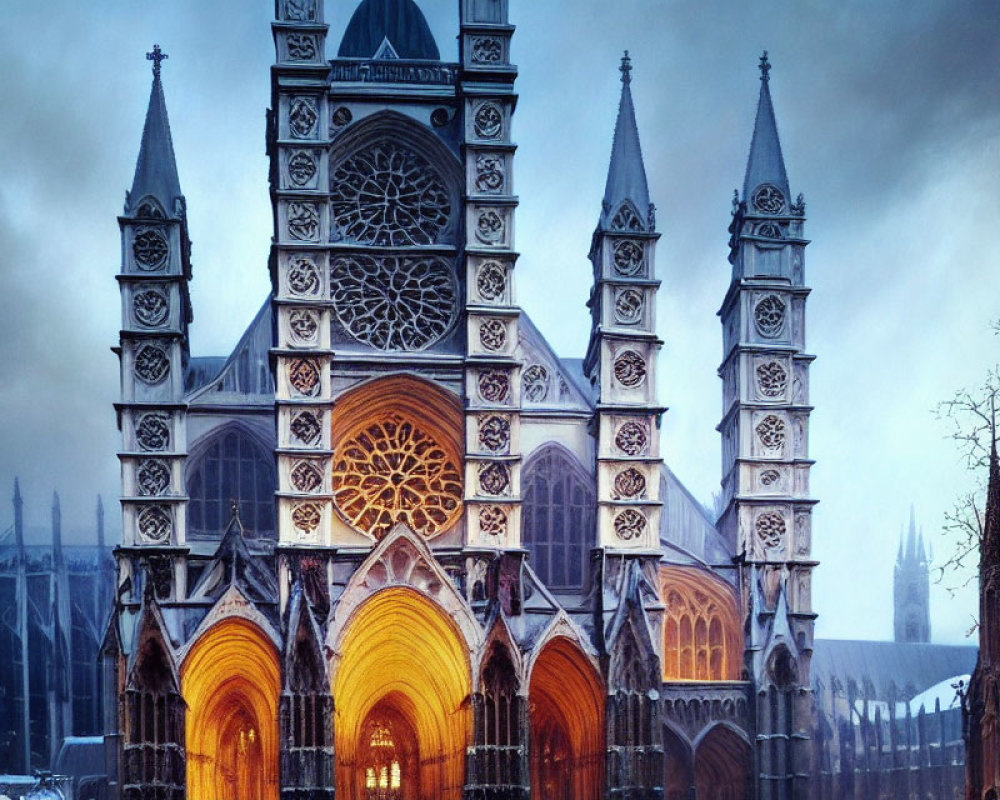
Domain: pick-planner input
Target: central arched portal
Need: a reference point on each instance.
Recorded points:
(401, 692)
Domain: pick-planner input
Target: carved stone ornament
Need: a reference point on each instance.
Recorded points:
(307, 477)
(302, 118)
(394, 302)
(307, 517)
(770, 479)
(626, 219)
(390, 196)
(494, 386)
(490, 169)
(536, 384)
(493, 335)
(628, 258)
(630, 524)
(494, 433)
(304, 376)
(491, 281)
(492, 520)
(772, 379)
(768, 199)
(152, 365)
(771, 432)
(490, 227)
(628, 307)
(303, 222)
(154, 524)
(632, 438)
(391, 470)
(630, 369)
(150, 249)
(300, 10)
(150, 307)
(768, 230)
(152, 478)
(301, 47)
(488, 121)
(342, 117)
(770, 527)
(303, 277)
(161, 575)
(494, 479)
(304, 326)
(769, 316)
(486, 50)
(630, 483)
(152, 432)
(306, 427)
(301, 167)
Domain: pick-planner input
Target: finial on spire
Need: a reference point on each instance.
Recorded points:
(157, 57)
(626, 68)
(765, 67)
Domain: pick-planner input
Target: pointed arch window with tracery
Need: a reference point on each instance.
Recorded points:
(702, 639)
(559, 517)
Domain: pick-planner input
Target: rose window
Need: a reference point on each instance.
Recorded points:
(393, 471)
(387, 195)
(394, 303)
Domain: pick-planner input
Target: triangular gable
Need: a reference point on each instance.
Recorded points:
(386, 52)
(563, 626)
(545, 382)
(499, 634)
(302, 627)
(232, 604)
(235, 565)
(246, 376)
(151, 625)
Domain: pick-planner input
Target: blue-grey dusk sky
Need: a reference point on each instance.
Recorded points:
(889, 112)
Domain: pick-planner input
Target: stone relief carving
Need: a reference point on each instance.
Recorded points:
(307, 477)
(630, 484)
(152, 365)
(494, 433)
(303, 277)
(486, 50)
(769, 316)
(394, 302)
(152, 478)
(488, 121)
(628, 258)
(628, 307)
(803, 533)
(768, 230)
(535, 384)
(492, 520)
(301, 47)
(342, 117)
(150, 307)
(770, 527)
(304, 376)
(768, 199)
(494, 479)
(300, 10)
(307, 517)
(490, 169)
(630, 369)
(304, 326)
(770, 479)
(150, 249)
(494, 386)
(771, 432)
(388, 195)
(302, 118)
(490, 227)
(772, 379)
(306, 427)
(632, 438)
(625, 219)
(154, 524)
(493, 335)
(630, 524)
(153, 432)
(491, 281)
(303, 222)
(301, 167)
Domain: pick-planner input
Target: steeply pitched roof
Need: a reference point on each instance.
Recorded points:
(627, 172)
(400, 23)
(156, 168)
(765, 164)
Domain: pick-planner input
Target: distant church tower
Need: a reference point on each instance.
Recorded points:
(911, 589)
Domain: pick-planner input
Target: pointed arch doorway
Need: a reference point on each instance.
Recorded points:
(401, 689)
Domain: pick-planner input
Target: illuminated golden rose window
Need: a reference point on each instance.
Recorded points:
(392, 470)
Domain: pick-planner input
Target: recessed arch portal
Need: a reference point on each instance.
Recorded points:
(721, 764)
(230, 681)
(402, 663)
(567, 724)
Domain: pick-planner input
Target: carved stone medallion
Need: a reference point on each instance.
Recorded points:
(494, 433)
(152, 365)
(771, 529)
(490, 173)
(630, 483)
(303, 277)
(632, 438)
(535, 384)
(493, 335)
(303, 222)
(630, 524)
(154, 524)
(150, 249)
(302, 118)
(486, 50)
(628, 258)
(494, 386)
(301, 167)
(494, 479)
(769, 316)
(152, 478)
(307, 517)
(304, 326)
(772, 379)
(628, 307)
(150, 307)
(488, 121)
(630, 369)
(492, 520)
(304, 376)
(153, 432)
(490, 227)
(771, 432)
(306, 427)
(491, 281)
(306, 477)
(768, 199)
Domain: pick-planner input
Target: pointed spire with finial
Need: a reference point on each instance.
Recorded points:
(627, 173)
(56, 526)
(911, 537)
(156, 168)
(765, 165)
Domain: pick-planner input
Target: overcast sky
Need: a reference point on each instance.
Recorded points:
(888, 113)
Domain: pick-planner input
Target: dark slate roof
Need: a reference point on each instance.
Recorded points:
(156, 169)
(627, 172)
(401, 22)
(910, 668)
(765, 163)
(202, 371)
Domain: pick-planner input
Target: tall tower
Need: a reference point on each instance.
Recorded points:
(156, 312)
(621, 363)
(911, 588)
(765, 457)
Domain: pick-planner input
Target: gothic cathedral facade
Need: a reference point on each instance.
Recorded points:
(394, 546)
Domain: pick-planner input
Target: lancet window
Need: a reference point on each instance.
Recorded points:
(233, 466)
(500, 728)
(559, 513)
(701, 630)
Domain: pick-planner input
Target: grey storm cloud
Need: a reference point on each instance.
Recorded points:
(888, 112)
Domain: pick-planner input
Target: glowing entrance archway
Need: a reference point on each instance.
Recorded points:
(401, 692)
(567, 724)
(230, 681)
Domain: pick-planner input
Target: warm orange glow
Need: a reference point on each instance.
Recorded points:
(702, 634)
(230, 681)
(403, 666)
(398, 445)
(567, 724)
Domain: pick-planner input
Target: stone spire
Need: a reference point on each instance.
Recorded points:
(627, 173)
(18, 516)
(765, 164)
(56, 527)
(100, 523)
(911, 588)
(156, 169)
